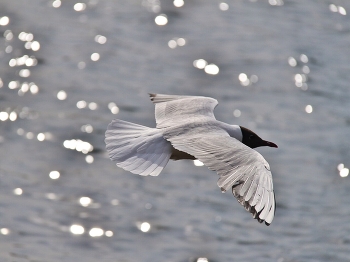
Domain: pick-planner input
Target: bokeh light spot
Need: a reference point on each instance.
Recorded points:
(308, 109)
(18, 191)
(89, 159)
(304, 58)
(115, 110)
(276, 2)
(8, 35)
(109, 233)
(81, 104)
(340, 166)
(41, 136)
(30, 135)
(95, 57)
(61, 95)
(13, 116)
(20, 131)
(81, 65)
(242, 77)
(12, 62)
(341, 10)
(77, 229)
(292, 61)
(254, 78)
(306, 69)
(161, 20)
(200, 63)
(100, 39)
(29, 37)
(24, 73)
(93, 106)
(54, 175)
(35, 46)
(13, 84)
(79, 7)
(181, 41)
(172, 44)
(85, 201)
(223, 6)
(333, 8)
(4, 116)
(51, 196)
(4, 21)
(344, 172)
(211, 69)
(34, 89)
(87, 128)
(28, 45)
(56, 3)
(145, 227)
(178, 3)
(237, 113)
(8, 49)
(115, 202)
(4, 231)
(96, 232)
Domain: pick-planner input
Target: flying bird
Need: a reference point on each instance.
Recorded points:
(187, 129)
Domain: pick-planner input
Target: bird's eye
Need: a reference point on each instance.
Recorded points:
(251, 137)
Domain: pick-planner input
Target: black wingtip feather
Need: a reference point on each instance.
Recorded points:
(248, 207)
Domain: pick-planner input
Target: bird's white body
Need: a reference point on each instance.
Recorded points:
(187, 129)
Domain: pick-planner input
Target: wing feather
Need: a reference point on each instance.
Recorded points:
(252, 189)
(170, 109)
(240, 168)
(248, 181)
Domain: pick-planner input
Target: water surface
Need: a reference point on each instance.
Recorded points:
(67, 69)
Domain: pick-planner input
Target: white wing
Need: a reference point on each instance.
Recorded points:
(171, 109)
(240, 168)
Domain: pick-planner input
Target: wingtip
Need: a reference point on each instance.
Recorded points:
(252, 210)
(152, 96)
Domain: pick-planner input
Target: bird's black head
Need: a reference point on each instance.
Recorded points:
(249, 138)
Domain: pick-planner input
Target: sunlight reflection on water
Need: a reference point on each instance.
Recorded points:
(68, 71)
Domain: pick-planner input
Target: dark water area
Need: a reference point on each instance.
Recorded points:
(280, 68)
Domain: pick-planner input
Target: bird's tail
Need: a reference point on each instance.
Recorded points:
(138, 149)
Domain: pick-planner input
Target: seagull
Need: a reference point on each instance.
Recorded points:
(186, 128)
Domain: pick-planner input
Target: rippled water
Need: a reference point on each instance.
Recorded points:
(278, 67)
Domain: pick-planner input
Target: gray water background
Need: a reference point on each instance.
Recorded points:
(189, 216)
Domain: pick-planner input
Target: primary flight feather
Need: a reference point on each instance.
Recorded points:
(187, 129)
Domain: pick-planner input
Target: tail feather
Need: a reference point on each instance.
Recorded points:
(138, 149)
(160, 167)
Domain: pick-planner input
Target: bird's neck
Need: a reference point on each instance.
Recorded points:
(232, 130)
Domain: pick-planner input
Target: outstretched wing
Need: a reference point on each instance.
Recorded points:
(172, 109)
(241, 169)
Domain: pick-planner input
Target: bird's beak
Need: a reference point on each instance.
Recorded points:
(270, 144)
